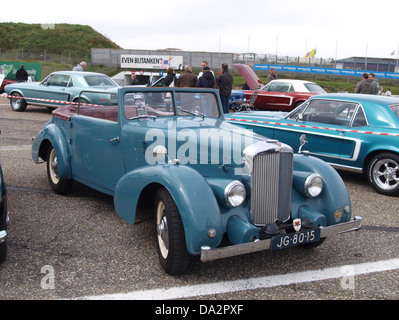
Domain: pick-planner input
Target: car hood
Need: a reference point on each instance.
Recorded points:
(21, 85)
(194, 141)
(249, 76)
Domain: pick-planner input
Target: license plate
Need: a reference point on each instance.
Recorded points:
(294, 239)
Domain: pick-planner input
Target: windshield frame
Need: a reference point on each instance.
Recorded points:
(205, 103)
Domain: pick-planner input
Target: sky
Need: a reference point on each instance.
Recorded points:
(337, 29)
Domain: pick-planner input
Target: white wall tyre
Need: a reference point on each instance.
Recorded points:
(171, 243)
(59, 185)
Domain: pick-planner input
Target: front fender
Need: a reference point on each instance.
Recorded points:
(193, 196)
(330, 203)
(52, 134)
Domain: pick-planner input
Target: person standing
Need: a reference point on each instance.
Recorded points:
(80, 67)
(170, 78)
(364, 85)
(22, 74)
(272, 75)
(135, 81)
(374, 82)
(207, 80)
(225, 83)
(203, 65)
(188, 78)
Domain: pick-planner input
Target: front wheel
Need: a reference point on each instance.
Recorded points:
(171, 243)
(17, 102)
(59, 185)
(383, 174)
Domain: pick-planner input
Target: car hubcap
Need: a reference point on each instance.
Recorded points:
(16, 102)
(54, 167)
(162, 230)
(386, 174)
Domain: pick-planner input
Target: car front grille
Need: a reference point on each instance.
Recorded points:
(271, 188)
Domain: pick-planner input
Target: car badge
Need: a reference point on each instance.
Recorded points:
(338, 215)
(297, 224)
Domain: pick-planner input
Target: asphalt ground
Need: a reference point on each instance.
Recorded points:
(76, 247)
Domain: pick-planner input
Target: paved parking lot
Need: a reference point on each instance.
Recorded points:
(76, 247)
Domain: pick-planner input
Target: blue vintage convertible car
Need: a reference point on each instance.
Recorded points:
(350, 131)
(59, 88)
(170, 151)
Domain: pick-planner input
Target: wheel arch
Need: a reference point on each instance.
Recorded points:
(372, 154)
(199, 211)
(53, 136)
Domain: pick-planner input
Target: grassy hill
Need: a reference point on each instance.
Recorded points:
(66, 39)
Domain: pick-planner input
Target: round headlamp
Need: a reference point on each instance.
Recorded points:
(313, 185)
(235, 193)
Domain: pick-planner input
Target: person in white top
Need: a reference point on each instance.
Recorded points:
(203, 65)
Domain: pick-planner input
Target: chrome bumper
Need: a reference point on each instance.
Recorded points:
(3, 236)
(208, 254)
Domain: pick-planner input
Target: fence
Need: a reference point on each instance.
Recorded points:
(45, 56)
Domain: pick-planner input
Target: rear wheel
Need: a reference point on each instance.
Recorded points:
(171, 243)
(59, 185)
(383, 173)
(18, 103)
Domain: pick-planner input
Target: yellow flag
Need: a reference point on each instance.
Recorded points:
(310, 54)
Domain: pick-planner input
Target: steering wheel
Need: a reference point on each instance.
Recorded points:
(312, 117)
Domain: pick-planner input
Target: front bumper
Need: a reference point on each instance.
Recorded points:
(208, 254)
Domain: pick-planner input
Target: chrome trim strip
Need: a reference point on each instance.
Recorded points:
(208, 254)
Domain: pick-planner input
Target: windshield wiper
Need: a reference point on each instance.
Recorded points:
(195, 113)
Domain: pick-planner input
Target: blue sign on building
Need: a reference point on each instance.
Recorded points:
(326, 71)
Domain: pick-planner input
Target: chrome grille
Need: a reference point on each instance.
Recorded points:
(271, 187)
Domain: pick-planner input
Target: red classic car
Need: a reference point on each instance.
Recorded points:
(279, 95)
(4, 83)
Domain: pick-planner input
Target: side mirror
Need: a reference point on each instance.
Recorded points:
(302, 142)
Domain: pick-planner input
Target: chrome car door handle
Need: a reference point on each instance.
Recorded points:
(114, 139)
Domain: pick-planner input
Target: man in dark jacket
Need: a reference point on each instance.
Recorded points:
(22, 75)
(206, 80)
(225, 83)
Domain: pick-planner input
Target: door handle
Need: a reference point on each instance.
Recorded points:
(114, 139)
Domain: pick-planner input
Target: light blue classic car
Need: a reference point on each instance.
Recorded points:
(59, 88)
(170, 151)
(352, 132)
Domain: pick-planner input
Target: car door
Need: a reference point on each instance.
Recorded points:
(51, 89)
(325, 123)
(97, 158)
(273, 97)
